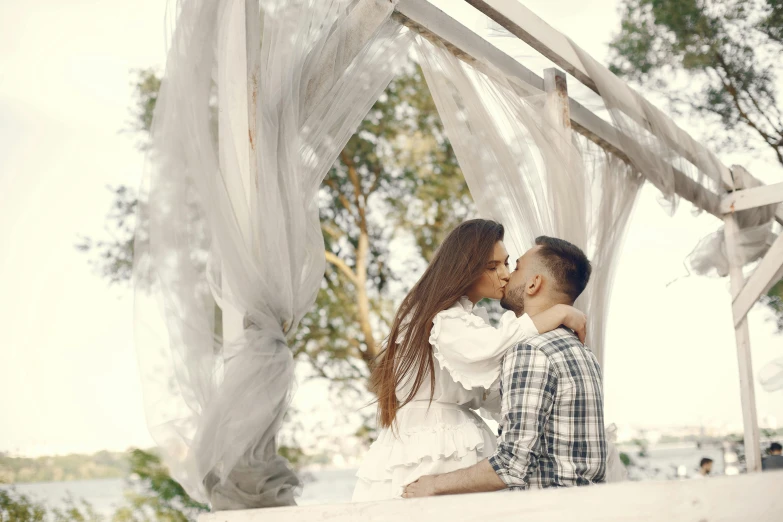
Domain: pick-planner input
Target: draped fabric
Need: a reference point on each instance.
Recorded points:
(228, 223)
(528, 172)
(679, 167)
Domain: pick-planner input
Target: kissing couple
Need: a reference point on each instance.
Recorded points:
(443, 361)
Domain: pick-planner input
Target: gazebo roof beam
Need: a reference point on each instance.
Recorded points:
(438, 27)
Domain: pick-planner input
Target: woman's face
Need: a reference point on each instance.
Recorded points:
(495, 277)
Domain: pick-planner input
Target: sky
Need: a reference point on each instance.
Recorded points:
(68, 373)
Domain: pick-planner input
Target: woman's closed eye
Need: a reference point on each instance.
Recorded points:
(494, 267)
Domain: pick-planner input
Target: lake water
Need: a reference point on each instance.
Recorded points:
(329, 486)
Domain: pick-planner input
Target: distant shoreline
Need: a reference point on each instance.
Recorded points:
(64, 468)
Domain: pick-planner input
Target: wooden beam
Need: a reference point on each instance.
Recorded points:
(534, 31)
(752, 197)
(528, 27)
(761, 280)
(602, 133)
(438, 27)
(743, 180)
(742, 335)
(742, 498)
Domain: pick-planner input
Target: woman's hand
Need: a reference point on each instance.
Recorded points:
(575, 320)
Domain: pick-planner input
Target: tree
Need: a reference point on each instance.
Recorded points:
(729, 53)
(17, 507)
(154, 495)
(397, 175)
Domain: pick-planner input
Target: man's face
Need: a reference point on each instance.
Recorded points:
(707, 468)
(514, 297)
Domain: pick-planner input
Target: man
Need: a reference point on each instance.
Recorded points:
(774, 460)
(705, 468)
(551, 432)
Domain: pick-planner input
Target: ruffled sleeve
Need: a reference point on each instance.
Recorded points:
(470, 349)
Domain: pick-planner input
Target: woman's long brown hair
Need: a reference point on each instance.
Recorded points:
(457, 264)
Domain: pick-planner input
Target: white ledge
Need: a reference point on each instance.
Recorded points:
(754, 497)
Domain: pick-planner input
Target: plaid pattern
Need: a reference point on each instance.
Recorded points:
(552, 429)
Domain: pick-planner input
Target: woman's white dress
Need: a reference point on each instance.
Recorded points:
(447, 434)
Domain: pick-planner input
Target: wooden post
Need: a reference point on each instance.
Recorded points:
(252, 52)
(556, 87)
(747, 391)
(234, 321)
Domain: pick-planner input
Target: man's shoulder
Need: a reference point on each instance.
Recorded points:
(560, 347)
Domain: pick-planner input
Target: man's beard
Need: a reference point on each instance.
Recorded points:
(514, 300)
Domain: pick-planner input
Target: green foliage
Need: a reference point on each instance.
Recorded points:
(774, 299)
(114, 257)
(626, 459)
(147, 85)
(154, 495)
(732, 49)
(17, 507)
(396, 174)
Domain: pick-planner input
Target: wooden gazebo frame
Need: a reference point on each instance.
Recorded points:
(424, 18)
(670, 501)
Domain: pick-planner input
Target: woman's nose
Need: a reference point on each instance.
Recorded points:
(504, 273)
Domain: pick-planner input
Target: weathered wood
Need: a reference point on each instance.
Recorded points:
(743, 180)
(763, 277)
(556, 87)
(252, 51)
(438, 27)
(752, 197)
(743, 498)
(469, 47)
(744, 359)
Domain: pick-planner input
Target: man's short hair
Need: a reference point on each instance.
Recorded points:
(704, 461)
(567, 264)
(775, 447)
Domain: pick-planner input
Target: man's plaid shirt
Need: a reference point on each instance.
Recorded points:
(551, 432)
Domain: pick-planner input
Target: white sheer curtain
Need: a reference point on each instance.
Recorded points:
(529, 173)
(671, 160)
(228, 222)
(658, 147)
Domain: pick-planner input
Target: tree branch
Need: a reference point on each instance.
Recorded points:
(744, 116)
(332, 185)
(342, 266)
(357, 189)
(377, 180)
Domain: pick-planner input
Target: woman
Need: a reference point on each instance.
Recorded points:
(440, 358)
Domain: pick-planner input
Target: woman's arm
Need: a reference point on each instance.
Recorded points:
(562, 314)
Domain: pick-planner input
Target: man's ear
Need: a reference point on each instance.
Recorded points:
(533, 285)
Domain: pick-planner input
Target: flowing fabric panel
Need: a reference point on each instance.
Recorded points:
(656, 145)
(529, 173)
(229, 253)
